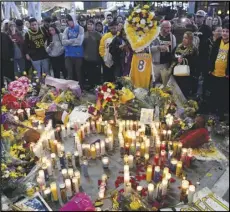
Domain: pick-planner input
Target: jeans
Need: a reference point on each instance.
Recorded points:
(19, 65)
(41, 66)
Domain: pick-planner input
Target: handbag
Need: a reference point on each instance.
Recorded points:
(182, 70)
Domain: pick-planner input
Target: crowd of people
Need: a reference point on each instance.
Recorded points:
(93, 50)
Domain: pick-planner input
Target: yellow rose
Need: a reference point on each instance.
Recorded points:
(146, 7)
(148, 20)
(151, 16)
(130, 18)
(142, 26)
(137, 19)
(146, 29)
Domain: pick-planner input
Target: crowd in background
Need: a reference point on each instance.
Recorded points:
(92, 50)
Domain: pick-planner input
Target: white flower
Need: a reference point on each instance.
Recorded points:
(138, 11)
(143, 21)
(153, 14)
(6, 174)
(138, 25)
(150, 24)
(109, 90)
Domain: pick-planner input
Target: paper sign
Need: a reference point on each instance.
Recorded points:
(146, 116)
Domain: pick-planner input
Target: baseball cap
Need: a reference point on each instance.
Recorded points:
(201, 13)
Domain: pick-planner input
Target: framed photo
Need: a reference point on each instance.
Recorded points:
(35, 203)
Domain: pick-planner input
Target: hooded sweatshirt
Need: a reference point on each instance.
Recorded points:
(72, 40)
(56, 49)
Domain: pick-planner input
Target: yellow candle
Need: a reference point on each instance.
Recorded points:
(149, 173)
(53, 188)
(175, 146)
(179, 148)
(126, 159)
(70, 173)
(93, 152)
(55, 142)
(77, 174)
(146, 158)
(142, 149)
(158, 146)
(179, 168)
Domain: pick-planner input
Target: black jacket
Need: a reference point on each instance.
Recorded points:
(7, 47)
(213, 56)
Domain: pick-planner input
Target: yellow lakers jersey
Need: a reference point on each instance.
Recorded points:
(141, 70)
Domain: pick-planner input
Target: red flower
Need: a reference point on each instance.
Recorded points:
(121, 191)
(143, 177)
(108, 99)
(100, 96)
(172, 180)
(104, 88)
(99, 182)
(113, 92)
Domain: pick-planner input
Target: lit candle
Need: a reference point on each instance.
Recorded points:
(63, 132)
(139, 189)
(142, 149)
(163, 145)
(175, 146)
(63, 193)
(104, 178)
(163, 157)
(149, 173)
(130, 161)
(191, 192)
(170, 145)
(165, 171)
(69, 160)
(126, 177)
(127, 145)
(105, 162)
(93, 152)
(138, 146)
(49, 168)
(41, 182)
(98, 126)
(53, 160)
(183, 155)
(85, 168)
(156, 178)
(164, 134)
(75, 185)
(70, 173)
(158, 146)
(79, 149)
(76, 159)
(41, 174)
(126, 159)
(128, 188)
(147, 145)
(77, 174)
(45, 169)
(169, 134)
(102, 147)
(184, 190)
(146, 158)
(68, 187)
(179, 148)
(164, 187)
(132, 149)
(47, 194)
(97, 146)
(156, 160)
(173, 165)
(101, 194)
(179, 168)
(150, 191)
(64, 173)
(53, 188)
(110, 143)
(59, 148)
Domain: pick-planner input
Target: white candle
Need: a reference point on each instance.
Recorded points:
(169, 133)
(105, 162)
(63, 132)
(164, 187)
(191, 192)
(146, 156)
(101, 194)
(128, 188)
(41, 174)
(147, 145)
(49, 167)
(75, 185)
(64, 173)
(110, 143)
(28, 112)
(126, 177)
(150, 191)
(130, 161)
(79, 149)
(53, 159)
(102, 148)
(70, 173)
(68, 188)
(97, 145)
(40, 181)
(139, 189)
(77, 174)
(104, 178)
(126, 168)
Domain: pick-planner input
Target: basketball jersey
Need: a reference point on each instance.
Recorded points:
(141, 70)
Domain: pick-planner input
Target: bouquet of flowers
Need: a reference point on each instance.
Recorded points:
(191, 107)
(141, 28)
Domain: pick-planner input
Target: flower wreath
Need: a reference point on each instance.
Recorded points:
(141, 28)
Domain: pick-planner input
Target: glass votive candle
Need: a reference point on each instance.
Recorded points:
(105, 162)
